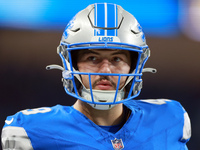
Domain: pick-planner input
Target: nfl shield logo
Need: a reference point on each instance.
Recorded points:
(117, 144)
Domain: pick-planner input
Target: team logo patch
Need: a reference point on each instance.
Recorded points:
(117, 144)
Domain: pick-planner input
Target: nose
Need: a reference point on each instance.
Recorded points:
(105, 66)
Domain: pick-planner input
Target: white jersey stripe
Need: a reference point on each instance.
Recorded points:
(15, 138)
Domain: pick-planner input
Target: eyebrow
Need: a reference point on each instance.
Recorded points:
(120, 52)
(83, 52)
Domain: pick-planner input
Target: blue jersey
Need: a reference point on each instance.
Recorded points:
(152, 125)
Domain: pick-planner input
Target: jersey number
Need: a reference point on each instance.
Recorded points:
(157, 101)
(36, 110)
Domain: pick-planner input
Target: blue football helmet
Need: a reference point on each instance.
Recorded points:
(103, 26)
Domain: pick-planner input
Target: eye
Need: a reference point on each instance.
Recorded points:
(117, 59)
(92, 58)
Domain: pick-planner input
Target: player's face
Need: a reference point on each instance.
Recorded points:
(104, 61)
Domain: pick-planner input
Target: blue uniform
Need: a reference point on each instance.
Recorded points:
(152, 125)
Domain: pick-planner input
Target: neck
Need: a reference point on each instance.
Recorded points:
(109, 117)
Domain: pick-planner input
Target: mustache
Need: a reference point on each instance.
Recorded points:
(104, 78)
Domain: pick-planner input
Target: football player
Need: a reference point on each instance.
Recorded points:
(103, 50)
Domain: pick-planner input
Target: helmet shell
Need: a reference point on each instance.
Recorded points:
(104, 22)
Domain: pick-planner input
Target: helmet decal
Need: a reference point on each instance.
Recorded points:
(140, 29)
(68, 27)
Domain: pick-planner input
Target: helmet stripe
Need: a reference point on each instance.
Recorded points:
(105, 16)
(106, 20)
(112, 19)
(99, 19)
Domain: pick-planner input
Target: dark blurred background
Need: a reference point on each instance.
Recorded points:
(30, 31)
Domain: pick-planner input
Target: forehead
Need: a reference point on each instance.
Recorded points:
(103, 51)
